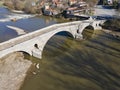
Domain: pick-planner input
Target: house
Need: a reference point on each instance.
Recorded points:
(104, 2)
(110, 2)
(71, 2)
(48, 10)
(78, 8)
(46, 6)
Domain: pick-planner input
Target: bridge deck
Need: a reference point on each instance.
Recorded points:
(23, 38)
(31, 35)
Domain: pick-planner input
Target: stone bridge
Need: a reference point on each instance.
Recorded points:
(33, 43)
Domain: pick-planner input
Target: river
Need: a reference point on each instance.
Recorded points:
(26, 22)
(69, 64)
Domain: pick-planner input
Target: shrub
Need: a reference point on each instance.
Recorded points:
(9, 4)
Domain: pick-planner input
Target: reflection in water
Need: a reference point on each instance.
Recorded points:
(87, 34)
(68, 64)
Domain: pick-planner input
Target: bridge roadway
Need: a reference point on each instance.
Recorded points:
(33, 43)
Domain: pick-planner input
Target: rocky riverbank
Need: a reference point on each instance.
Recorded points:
(13, 69)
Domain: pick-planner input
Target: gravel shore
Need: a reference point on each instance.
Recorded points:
(13, 70)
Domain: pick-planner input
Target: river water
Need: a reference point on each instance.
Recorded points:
(69, 64)
(26, 22)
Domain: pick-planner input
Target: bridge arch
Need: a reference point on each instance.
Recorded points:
(34, 42)
(13, 51)
(48, 37)
(61, 33)
(88, 32)
(24, 52)
(42, 40)
(90, 27)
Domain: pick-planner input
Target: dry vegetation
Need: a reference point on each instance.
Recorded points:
(92, 2)
(26, 5)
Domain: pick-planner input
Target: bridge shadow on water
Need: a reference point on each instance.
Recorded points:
(88, 32)
(67, 64)
(96, 64)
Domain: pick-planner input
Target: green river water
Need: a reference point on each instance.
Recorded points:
(69, 64)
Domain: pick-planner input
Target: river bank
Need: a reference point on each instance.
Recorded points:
(13, 70)
(114, 33)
